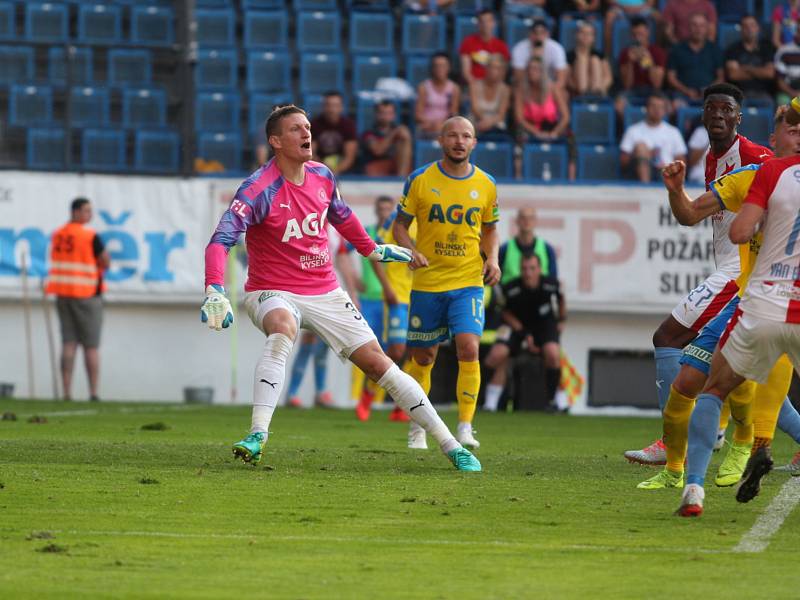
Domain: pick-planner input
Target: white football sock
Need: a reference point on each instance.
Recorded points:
(492, 397)
(409, 396)
(268, 381)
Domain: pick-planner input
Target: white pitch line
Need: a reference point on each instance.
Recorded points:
(89, 412)
(758, 537)
(372, 540)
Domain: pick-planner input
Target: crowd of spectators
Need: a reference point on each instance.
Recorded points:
(524, 93)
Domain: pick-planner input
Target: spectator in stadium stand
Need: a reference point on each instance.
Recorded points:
(651, 144)
(698, 148)
(541, 110)
(589, 71)
(539, 45)
(785, 18)
(694, 64)
(787, 68)
(386, 148)
(749, 61)
(478, 48)
(77, 261)
(438, 98)
(574, 9)
(629, 9)
(335, 142)
(642, 65)
(526, 8)
(677, 18)
(490, 99)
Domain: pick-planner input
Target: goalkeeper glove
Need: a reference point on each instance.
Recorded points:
(390, 253)
(216, 309)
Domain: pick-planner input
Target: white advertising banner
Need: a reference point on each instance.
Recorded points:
(154, 228)
(619, 248)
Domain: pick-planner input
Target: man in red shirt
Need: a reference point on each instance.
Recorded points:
(642, 64)
(476, 49)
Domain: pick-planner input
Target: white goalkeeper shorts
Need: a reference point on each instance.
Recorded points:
(332, 316)
(705, 301)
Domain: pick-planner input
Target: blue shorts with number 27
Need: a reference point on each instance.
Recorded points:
(436, 316)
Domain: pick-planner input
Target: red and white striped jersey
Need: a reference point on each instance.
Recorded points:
(774, 289)
(741, 152)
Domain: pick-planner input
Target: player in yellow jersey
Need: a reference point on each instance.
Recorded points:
(728, 192)
(456, 253)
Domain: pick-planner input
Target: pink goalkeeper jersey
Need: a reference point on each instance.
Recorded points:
(773, 291)
(284, 223)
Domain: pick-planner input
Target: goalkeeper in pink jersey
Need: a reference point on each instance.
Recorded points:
(282, 209)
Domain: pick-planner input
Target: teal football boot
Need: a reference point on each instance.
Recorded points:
(250, 448)
(464, 460)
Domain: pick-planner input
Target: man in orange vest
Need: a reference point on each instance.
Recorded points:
(77, 261)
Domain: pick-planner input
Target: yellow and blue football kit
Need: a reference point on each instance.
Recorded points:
(395, 317)
(447, 295)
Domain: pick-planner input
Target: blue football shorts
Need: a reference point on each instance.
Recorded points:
(372, 311)
(436, 316)
(698, 353)
(395, 324)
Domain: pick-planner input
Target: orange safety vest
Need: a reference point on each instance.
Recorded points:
(73, 266)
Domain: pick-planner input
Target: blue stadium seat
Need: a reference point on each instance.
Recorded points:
(325, 5)
(46, 22)
(103, 150)
(214, 3)
(593, 123)
(373, 5)
(469, 7)
(45, 148)
(156, 151)
(756, 124)
(465, 25)
(152, 25)
(215, 27)
(768, 9)
(99, 24)
(30, 105)
(732, 10)
(687, 118)
(320, 73)
(598, 162)
(365, 113)
(257, 4)
(417, 69)
(144, 108)
(567, 29)
(268, 71)
(129, 67)
(259, 107)
(16, 64)
(759, 102)
(633, 114)
(371, 33)
(7, 21)
(496, 158)
(426, 151)
(319, 32)
(266, 29)
(216, 69)
(423, 34)
(225, 148)
(312, 104)
(217, 111)
(368, 69)
(543, 162)
(81, 66)
(727, 34)
(88, 106)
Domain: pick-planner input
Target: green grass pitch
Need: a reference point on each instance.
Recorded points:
(93, 505)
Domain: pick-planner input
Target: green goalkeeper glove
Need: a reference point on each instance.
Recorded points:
(390, 253)
(216, 309)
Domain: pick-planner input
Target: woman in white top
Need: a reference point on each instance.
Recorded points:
(490, 98)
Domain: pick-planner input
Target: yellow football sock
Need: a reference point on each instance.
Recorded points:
(421, 373)
(769, 398)
(740, 401)
(357, 378)
(724, 415)
(677, 413)
(468, 385)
